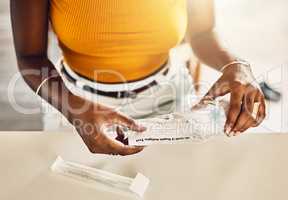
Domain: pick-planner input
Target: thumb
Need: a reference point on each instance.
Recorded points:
(219, 88)
(125, 121)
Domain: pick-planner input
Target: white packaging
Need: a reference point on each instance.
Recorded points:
(93, 176)
(196, 126)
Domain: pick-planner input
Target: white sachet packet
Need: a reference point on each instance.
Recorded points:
(197, 126)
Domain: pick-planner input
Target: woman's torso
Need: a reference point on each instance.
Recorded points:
(112, 40)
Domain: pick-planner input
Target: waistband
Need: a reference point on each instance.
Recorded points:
(114, 87)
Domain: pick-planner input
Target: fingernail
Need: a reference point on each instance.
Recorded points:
(238, 133)
(235, 133)
(227, 130)
(232, 133)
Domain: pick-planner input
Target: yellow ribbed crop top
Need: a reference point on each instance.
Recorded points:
(117, 40)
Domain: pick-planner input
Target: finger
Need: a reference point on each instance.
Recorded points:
(249, 102)
(122, 149)
(219, 88)
(128, 150)
(242, 119)
(250, 116)
(246, 119)
(113, 146)
(261, 110)
(127, 122)
(106, 145)
(233, 111)
(246, 126)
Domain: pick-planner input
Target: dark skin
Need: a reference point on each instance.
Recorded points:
(31, 52)
(30, 19)
(236, 80)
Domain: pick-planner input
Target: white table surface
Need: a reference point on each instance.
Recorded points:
(249, 167)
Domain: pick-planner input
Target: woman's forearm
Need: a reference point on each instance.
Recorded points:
(209, 50)
(30, 19)
(36, 69)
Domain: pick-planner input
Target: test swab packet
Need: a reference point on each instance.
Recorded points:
(125, 185)
(197, 126)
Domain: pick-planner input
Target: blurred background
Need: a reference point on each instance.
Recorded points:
(255, 30)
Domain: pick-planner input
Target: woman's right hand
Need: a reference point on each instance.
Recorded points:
(35, 66)
(90, 120)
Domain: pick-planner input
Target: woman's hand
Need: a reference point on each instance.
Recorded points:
(245, 92)
(91, 119)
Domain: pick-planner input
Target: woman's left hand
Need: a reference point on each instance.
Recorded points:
(246, 95)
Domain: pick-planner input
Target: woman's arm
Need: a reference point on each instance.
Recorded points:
(201, 36)
(237, 79)
(30, 30)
